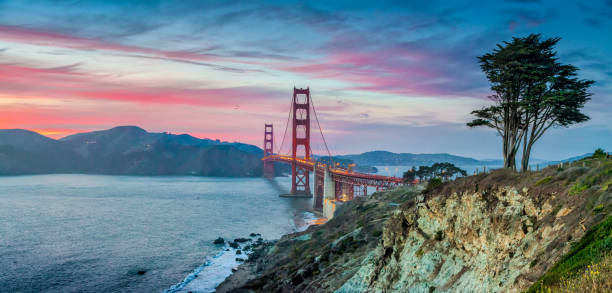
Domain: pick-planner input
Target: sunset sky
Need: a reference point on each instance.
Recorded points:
(384, 75)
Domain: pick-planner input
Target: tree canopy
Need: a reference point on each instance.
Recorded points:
(533, 92)
(438, 170)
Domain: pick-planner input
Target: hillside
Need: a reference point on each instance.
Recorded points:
(127, 150)
(385, 158)
(493, 232)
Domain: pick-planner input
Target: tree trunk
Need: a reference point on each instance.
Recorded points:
(525, 161)
(511, 160)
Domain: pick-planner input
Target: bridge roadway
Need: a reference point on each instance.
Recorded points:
(340, 174)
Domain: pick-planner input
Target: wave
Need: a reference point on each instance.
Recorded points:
(307, 219)
(216, 269)
(209, 275)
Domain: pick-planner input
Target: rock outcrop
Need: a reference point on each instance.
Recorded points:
(497, 232)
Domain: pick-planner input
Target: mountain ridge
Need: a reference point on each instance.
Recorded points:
(131, 150)
(380, 157)
(125, 150)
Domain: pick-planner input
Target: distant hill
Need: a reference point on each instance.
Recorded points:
(385, 158)
(347, 163)
(131, 150)
(128, 150)
(576, 158)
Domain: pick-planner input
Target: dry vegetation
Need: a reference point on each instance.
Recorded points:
(324, 257)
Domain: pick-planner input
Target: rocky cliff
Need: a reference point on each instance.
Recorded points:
(497, 232)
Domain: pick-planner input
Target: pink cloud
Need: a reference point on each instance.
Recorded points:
(427, 67)
(45, 38)
(22, 35)
(387, 71)
(67, 82)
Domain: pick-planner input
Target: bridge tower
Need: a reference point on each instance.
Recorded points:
(300, 179)
(268, 166)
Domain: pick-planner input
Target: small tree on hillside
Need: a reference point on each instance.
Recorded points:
(410, 175)
(424, 172)
(599, 153)
(437, 170)
(446, 171)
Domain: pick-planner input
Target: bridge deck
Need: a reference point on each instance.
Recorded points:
(347, 175)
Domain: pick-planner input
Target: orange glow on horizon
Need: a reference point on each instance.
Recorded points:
(56, 133)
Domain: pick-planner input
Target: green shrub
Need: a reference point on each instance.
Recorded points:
(606, 185)
(433, 183)
(599, 153)
(544, 180)
(578, 188)
(598, 208)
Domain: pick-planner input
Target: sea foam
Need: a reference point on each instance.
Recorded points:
(207, 277)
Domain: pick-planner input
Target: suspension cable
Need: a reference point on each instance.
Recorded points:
(331, 161)
(286, 127)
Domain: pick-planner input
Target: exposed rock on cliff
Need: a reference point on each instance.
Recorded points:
(497, 232)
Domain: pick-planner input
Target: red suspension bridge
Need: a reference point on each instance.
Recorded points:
(331, 182)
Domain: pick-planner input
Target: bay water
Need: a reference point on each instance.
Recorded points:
(96, 233)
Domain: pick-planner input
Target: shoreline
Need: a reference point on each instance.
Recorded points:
(236, 262)
(245, 271)
(252, 267)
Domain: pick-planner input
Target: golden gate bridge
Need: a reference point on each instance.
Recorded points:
(332, 183)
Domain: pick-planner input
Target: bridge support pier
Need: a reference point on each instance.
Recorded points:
(319, 185)
(329, 195)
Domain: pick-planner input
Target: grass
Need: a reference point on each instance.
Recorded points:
(588, 253)
(605, 185)
(598, 208)
(544, 180)
(578, 188)
(594, 278)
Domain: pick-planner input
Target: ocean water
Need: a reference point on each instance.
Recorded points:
(89, 233)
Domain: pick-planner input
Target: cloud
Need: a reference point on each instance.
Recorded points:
(68, 82)
(45, 38)
(407, 68)
(399, 67)
(529, 17)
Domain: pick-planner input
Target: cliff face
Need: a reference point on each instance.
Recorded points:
(469, 241)
(497, 232)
